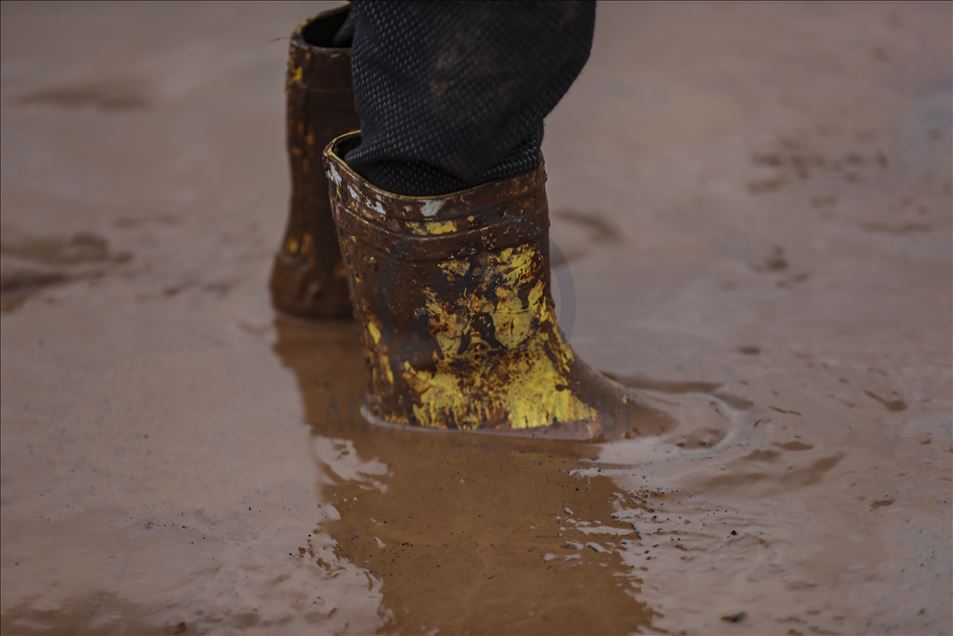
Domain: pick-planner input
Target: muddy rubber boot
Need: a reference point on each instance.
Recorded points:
(459, 326)
(307, 277)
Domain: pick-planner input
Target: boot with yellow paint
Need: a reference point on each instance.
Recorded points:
(459, 326)
(307, 277)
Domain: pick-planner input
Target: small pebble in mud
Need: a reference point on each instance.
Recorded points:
(735, 618)
(751, 350)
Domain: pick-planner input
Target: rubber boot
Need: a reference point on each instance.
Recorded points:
(459, 326)
(307, 277)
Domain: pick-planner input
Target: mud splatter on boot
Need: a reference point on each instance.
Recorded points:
(307, 277)
(459, 327)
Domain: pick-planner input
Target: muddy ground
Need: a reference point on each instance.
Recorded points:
(753, 207)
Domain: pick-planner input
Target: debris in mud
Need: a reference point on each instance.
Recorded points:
(893, 406)
(804, 159)
(735, 618)
(776, 261)
(785, 411)
(794, 446)
(881, 503)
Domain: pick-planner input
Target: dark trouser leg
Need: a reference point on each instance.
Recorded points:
(453, 94)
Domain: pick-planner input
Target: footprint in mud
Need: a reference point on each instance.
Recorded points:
(598, 231)
(599, 228)
(804, 158)
(32, 264)
(104, 95)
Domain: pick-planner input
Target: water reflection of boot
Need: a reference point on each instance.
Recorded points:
(327, 367)
(307, 279)
(459, 327)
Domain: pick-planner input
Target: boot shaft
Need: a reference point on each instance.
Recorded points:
(307, 279)
(454, 296)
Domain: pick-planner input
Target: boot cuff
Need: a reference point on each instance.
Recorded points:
(489, 216)
(316, 67)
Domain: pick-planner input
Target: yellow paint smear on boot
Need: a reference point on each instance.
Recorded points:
(380, 359)
(541, 395)
(526, 383)
(454, 267)
(440, 395)
(512, 322)
(374, 331)
(433, 228)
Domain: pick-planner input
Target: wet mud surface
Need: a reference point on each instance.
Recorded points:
(755, 237)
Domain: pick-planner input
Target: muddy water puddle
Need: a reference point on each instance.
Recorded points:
(463, 533)
(744, 517)
(741, 515)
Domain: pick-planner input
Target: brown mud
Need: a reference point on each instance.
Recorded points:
(759, 241)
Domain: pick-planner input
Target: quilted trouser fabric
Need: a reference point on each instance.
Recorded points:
(453, 94)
